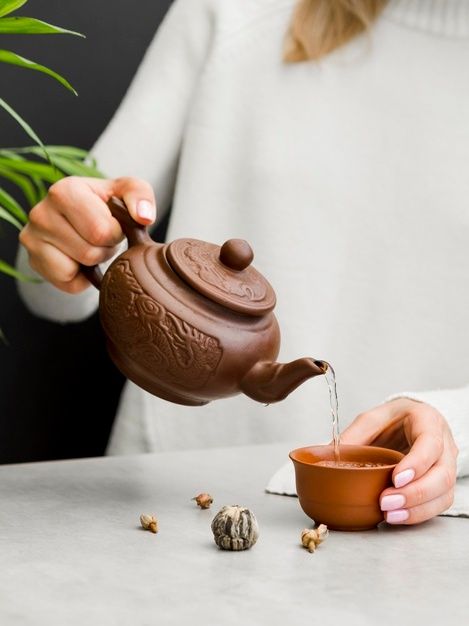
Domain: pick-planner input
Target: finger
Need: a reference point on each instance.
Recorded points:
(83, 208)
(77, 284)
(60, 234)
(139, 198)
(438, 481)
(426, 435)
(421, 513)
(137, 194)
(366, 426)
(52, 264)
(74, 286)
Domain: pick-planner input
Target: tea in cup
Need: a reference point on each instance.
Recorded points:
(343, 494)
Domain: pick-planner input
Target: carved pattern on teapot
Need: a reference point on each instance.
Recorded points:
(147, 332)
(203, 263)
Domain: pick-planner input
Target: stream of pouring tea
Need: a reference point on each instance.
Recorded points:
(331, 383)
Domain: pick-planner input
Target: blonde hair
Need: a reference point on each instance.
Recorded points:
(320, 26)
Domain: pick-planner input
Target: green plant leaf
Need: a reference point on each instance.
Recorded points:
(71, 161)
(8, 217)
(12, 206)
(23, 182)
(32, 168)
(24, 125)
(6, 268)
(6, 56)
(31, 26)
(67, 151)
(41, 188)
(8, 6)
(75, 168)
(11, 154)
(38, 183)
(3, 339)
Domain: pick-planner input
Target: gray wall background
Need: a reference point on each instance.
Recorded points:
(49, 374)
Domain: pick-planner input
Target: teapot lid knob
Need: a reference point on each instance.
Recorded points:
(236, 254)
(222, 274)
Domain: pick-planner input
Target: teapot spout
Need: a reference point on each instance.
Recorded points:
(269, 382)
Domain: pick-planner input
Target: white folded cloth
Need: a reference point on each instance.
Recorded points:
(282, 483)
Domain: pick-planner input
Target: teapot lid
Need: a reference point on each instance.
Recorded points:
(223, 273)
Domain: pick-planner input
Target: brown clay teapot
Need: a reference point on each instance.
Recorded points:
(191, 321)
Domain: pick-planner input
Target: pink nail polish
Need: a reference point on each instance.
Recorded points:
(403, 478)
(390, 503)
(396, 517)
(145, 210)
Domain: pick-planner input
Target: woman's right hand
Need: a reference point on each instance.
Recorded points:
(73, 225)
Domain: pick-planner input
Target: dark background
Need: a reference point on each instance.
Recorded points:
(58, 389)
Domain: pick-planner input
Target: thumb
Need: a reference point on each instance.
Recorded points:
(366, 427)
(136, 193)
(139, 198)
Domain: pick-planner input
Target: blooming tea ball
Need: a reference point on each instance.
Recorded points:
(235, 528)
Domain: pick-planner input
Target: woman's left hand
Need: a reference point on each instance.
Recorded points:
(424, 479)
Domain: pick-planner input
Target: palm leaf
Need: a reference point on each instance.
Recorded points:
(41, 188)
(8, 217)
(6, 268)
(72, 167)
(12, 206)
(10, 154)
(3, 338)
(8, 6)
(67, 151)
(32, 26)
(24, 125)
(23, 182)
(38, 188)
(71, 161)
(6, 56)
(32, 168)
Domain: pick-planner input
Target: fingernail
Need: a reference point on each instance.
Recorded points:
(403, 478)
(389, 503)
(145, 210)
(396, 517)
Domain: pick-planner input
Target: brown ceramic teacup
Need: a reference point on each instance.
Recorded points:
(344, 498)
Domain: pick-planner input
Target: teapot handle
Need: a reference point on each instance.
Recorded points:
(136, 233)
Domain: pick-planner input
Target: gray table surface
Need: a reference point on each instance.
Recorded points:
(72, 552)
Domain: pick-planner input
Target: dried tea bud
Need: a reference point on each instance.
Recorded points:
(149, 522)
(322, 532)
(308, 539)
(235, 528)
(312, 537)
(204, 500)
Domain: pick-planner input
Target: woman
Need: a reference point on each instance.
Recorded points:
(343, 164)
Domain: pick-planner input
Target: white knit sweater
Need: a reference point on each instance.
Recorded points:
(349, 177)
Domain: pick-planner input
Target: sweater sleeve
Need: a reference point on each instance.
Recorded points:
(453, 404)
(144, 137)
